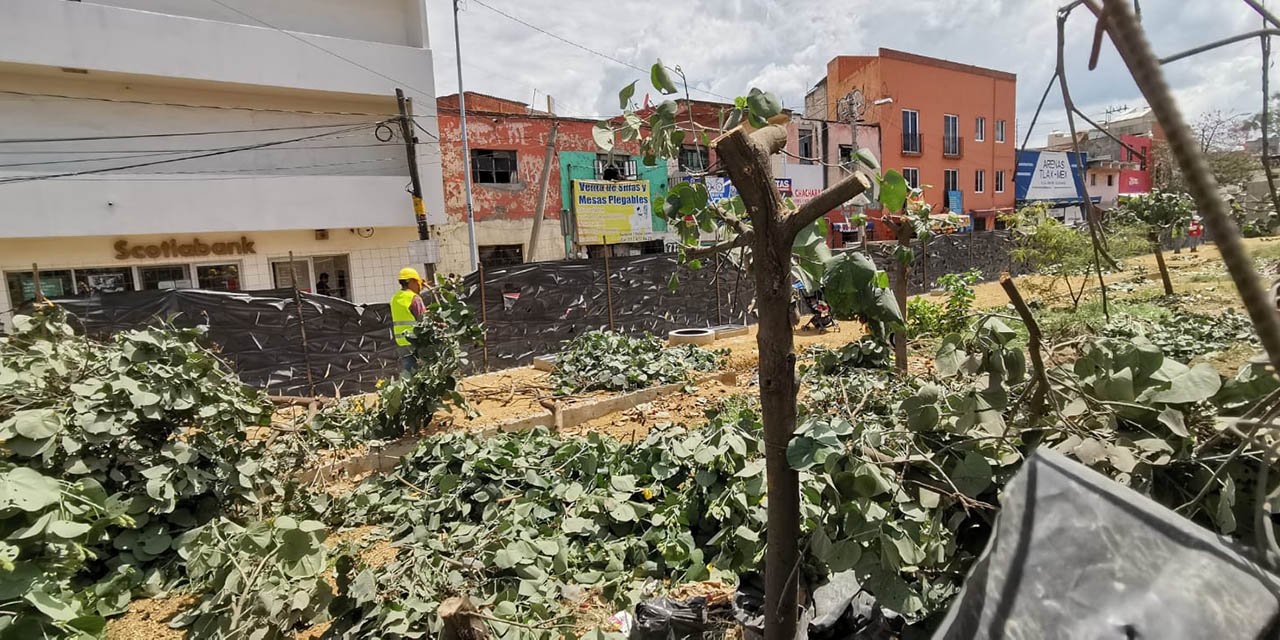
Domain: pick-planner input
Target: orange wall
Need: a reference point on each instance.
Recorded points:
(934, 90)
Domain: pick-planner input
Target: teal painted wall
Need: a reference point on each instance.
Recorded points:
(580, 165)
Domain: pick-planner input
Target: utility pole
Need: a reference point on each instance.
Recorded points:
(466, 151)
(410, 145)
(542, 190)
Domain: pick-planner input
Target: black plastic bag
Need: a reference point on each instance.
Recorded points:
(667, 619)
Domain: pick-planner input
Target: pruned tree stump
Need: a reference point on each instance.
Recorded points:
(459, 624)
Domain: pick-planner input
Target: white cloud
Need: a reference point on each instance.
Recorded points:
(728, 46)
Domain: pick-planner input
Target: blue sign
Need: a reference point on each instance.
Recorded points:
(955, 201)
(1055, 177)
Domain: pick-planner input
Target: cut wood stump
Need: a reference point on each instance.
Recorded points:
(459, 624)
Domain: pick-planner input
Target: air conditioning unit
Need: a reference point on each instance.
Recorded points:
(322, 234)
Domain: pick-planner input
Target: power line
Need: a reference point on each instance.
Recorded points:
(187, 133)
(178, 151)
(199, 106)
(158, 162)
(582, 47)
(132, 153)
(358, 172)
(430, 95)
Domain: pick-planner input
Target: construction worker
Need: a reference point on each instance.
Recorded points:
(407, 308)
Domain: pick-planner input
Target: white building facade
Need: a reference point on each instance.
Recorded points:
(150, 144)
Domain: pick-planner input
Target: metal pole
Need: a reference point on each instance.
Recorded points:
(466, 151)
(484, 317)
(608, 288)
(302, 324)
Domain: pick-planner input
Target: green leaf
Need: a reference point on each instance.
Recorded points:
(949, 356)
(624, 96)
(661, 79)
(893, 191)
(667, 109)
(844, 555)
(1197, 384)
(577, 525)
(763, 104)
(673, 283)
(67, 529)
(867, 158)
(55, 607)
(626, 483)
(972, 475)
(1173, 419)
(602, 132)
(28, 490)
(36, 424)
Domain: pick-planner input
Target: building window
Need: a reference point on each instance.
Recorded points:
(316, 274)
(1111, 179)
(950, 135)
(694, 158)
(218, 277)
(611, 166)
(1000, 182)
(22, 286)
(910, 131)
(980, 129)
(493, 256)
(950, 180)
(999, 130)
(1093, 179)
(91, 282)
(493, 167)
(846, 155)
(979, 181)
(912, 177)
(167, 276)
(805, 138)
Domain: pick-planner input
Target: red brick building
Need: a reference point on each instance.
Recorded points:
(508, 145)
(946, 126)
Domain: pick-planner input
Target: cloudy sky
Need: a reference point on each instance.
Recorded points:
(727, 46)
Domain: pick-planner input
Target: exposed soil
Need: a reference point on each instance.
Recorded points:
(148, 619)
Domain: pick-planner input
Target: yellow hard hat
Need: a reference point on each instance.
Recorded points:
(409, 273)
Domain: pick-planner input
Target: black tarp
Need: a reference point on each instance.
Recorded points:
(1076, 555)
(259, 334)
(532, 309)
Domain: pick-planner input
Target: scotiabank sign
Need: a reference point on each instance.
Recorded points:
(191, 249)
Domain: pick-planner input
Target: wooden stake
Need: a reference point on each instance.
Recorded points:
(540, 212)
(302, 324)
(35, 276)
(1036, 408)
(608, 287)
(719, 315)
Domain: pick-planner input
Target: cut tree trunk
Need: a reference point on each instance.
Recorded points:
(1164, 270)
(459, 623)
(747, 160)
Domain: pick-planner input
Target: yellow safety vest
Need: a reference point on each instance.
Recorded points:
(401, 317)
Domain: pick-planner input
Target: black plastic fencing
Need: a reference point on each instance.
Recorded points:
(532, 309)
(259, 333)
(528, 310)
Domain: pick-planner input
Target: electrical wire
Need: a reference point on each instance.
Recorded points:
(51, 176)
(178, 151)
(427, 94)
(579, 46)
(308, 112)
(186, 133)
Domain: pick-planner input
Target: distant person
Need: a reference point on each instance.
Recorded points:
(322, 286)
(407, 308)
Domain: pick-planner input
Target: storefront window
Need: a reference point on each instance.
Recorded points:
(282, 274)
(218, 277)
(331, 276)
(92, 282)
(170, 276)
(22, 286)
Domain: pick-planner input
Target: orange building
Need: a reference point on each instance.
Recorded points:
(946, 125)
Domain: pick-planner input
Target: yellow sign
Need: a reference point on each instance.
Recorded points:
(611, 212)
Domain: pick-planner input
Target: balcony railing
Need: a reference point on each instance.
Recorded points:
(952, 146)
(911, 144)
